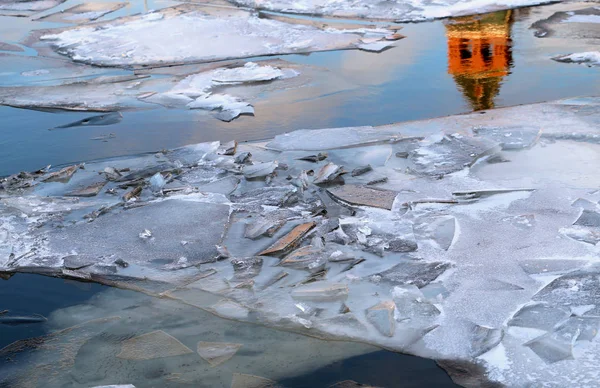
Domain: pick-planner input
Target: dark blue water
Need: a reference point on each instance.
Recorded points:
(378, 369)
(25, 294)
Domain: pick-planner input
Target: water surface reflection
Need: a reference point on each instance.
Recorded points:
(480, 55)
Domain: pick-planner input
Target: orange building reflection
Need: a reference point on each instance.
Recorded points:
(479, 55)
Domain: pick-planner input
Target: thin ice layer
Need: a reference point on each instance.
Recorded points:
(204, 34)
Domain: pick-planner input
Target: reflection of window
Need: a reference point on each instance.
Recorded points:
(465, 52)
(486, 52)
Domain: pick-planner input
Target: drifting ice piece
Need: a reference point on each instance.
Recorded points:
(382, 317)
(234, 33)
(217, 353)
(590, 58)
(156, 344)
(82, 13)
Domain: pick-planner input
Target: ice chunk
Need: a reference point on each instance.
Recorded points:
(88, 191)
(321, 291)
(588, 218)
(364, 196)
(382, 317)
(157, 182)
(78, 261)
(156, 344)
(590, 58)
(482, 338)
(412, 306)
(148, 39)
(306, 257)
(419, 273)
(246, 268)
(105, 119)
(328, 174)
(263, 226)
(289, 241)
(539, 316)
(551, 349)
(259, 170)
(267, 196)
(217, 353)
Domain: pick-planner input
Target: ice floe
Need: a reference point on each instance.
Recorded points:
(204, 34)
(590, 58)
(397, 10)
(204, 90)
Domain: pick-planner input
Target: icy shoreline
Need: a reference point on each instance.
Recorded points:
(435, 238)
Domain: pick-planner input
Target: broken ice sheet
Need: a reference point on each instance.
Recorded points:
(235, 33)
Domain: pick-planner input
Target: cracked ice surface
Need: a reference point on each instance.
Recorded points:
(399, 10)
(203, 34)
(458, 257)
